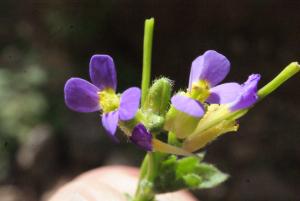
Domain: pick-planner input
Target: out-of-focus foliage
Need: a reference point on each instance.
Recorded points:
(22, 105)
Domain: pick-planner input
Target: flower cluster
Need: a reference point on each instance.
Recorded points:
(195, 117)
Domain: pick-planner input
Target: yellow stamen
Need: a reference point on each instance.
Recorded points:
(200, 90)
(108, 100)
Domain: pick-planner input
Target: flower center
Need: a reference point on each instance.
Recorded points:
(108, 100)
(200, 90)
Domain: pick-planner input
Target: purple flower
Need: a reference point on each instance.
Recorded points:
(248, 95)
(83, 96)
(188, 105)
(207, 71)
(141, 137)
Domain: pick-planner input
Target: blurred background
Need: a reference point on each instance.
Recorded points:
(43, 43)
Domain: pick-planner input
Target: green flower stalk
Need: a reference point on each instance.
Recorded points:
(282, 77)
(144, 190)
(147, 55)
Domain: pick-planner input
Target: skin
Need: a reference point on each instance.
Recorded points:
(109, 184)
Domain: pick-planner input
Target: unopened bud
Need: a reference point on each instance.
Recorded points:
(158, 98)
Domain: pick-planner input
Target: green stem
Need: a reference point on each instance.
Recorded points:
(284, 75)
(172, 139)
(148, 172)
(147, 54)
(143, 172)
(148, 169)
(151, 167)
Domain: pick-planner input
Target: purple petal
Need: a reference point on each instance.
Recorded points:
(129, 103)
(187, 105)
(224, 93)
(248, 96)
(81, 96)
(141, 137)
(110, 122)
(211, 66)
(103, 72)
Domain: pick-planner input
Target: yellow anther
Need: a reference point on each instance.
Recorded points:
(200, 90)
(108, 100)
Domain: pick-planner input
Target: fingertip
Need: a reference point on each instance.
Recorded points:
(81, 190)
(109, 183)
(182, 195)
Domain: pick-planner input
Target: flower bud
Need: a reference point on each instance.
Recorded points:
(158, 98)
(154, 122)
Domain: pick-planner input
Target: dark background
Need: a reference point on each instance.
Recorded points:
(43, 43)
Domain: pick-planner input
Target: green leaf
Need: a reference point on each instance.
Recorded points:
(188, 172)
(185, 166)
(192, 180)
(211, 175)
